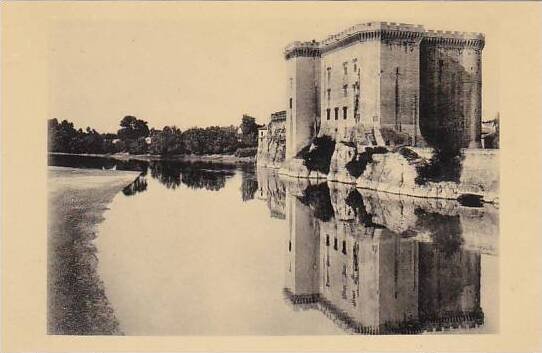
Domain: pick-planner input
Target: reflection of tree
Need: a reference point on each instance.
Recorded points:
(194, 175)
(318, 199)
(139, 185)
(249, 186)
(166, 173)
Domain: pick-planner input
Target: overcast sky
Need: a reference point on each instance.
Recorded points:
(205, 64)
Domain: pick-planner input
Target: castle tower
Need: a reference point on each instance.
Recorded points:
(451, 88)
(303, 91)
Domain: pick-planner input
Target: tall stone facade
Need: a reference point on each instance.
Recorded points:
(385, 84)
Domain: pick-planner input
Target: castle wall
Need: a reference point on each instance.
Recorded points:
(302, 108)
(451, 89)
(399, 86)
(362, 61)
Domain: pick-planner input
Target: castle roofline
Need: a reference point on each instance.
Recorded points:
(383, 30)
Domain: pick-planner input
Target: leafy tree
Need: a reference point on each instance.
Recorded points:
(132, 128)
(249, 131)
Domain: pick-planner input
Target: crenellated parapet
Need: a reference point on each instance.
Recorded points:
(455, 39)
(373, 31)
(302, 49)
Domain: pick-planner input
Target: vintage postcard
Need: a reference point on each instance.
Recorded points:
(329, 176)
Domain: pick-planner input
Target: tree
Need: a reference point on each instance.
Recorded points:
(249, 131)
(132, 128)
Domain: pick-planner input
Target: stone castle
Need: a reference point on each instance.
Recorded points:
(387, 84)
(376, 103)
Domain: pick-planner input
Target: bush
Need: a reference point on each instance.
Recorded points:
(246, 152)
(319, 156)
(395, 138)
(357, 166)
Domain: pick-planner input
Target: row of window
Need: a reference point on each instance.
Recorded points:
(345, 113)
(345, 68)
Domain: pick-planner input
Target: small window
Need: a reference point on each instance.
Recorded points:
(335, 244)
(345, 113)
(328, 94)
(327, 240)
(328, 113)
(345, 68)
(336, 113)
(328, 74)
(291, 103)
(344, 247)
(345, 90)
(355, 62)
(290, 246)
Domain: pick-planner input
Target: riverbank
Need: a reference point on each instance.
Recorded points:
(212, 158)
(77, 199)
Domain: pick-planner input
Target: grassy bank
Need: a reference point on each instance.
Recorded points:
(217, 158)
(77, 304)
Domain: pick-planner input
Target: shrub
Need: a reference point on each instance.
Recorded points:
(246, 152)
(318, 155)
(357, 166)
(395, 138)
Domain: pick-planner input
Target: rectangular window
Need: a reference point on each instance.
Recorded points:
(291, 103)
(345, 113)
(336, 113)
(345, 68)
(328, 94)
(345, 90)
(335, 244)
(355, 62)
(328, 74)
(328, 113)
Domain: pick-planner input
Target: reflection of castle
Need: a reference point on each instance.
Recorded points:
(369, 279)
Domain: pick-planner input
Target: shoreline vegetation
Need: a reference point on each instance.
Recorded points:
(76, 299)
(137, 140)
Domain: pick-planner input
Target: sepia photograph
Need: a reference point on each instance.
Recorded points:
(366, 161)
(260, 169)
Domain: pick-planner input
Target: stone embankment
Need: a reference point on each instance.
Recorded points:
(272, 148)
(376, 168)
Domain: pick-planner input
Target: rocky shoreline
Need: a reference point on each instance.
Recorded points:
(395, 173)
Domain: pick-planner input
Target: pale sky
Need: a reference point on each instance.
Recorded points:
(205, 64)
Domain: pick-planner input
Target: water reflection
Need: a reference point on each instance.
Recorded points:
(379, 264)
(139, 185)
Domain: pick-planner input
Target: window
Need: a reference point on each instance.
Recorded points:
(291, 103)
(328, 94)
(345, 68)
(345, 90)
(335, 244)
(355, 62)
(291, 83)
(344, 249)
(345, 113)
(328, 113)
(327, 240)
(328, 74)
(290, 246)
(336, 113)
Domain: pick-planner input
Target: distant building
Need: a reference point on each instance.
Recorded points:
(397, 82)
(262, 133)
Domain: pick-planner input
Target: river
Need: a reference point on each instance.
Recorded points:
(209, 249)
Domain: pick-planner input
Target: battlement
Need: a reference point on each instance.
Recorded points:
(302, 49)
(385, 31)
(278, 116)
(455, 39)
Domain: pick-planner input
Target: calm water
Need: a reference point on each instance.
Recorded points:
(206, 249)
